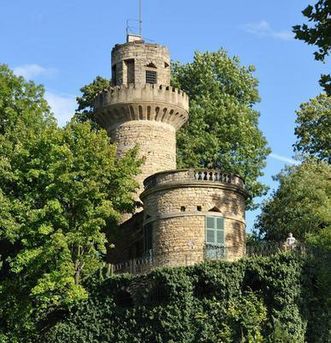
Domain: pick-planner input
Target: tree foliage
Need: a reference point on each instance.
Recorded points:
(319, 34)
(300, 205)
(85, 102)
(244, 301)
(22, 105)
(223, 126)
(313, 128)
(59, 191)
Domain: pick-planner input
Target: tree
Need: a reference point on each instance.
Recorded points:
(319, 34)
(314, 128)
(300, 205)
(60, 190)
(223, 126)
(22, 105)
(85, 102)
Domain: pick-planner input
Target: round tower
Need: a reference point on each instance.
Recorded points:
(194, 215)
(142, 108)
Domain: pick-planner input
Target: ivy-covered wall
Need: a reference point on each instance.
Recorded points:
(262, 299)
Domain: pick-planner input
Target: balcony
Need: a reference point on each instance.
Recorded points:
(212, 253)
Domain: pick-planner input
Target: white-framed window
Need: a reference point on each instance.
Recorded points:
(214, 229)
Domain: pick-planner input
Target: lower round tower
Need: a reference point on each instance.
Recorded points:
(195, 215)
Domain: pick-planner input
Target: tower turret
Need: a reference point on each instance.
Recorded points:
(142, 108)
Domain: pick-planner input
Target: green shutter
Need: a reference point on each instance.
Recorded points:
(215, 230)
(210, 223)
(210, 236)
(220, 230)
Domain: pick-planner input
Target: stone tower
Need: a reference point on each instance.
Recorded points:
(142, 108)
(187, 216)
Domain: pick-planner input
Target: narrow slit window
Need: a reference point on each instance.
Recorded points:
(148, 237)
(113, 74)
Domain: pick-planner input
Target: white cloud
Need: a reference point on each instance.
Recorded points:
(264, 29)
(30, 71)
(63, 106)
(283, 159)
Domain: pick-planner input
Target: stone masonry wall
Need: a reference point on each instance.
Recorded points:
(178, 217)
(146, 56)
(156, 142)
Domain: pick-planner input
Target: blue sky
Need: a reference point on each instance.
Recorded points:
(65, 44)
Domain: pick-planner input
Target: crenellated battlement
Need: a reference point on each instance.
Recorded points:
(147, 92)
(141, 102)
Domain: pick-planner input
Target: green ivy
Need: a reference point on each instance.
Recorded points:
(212, 302)
(258, 299)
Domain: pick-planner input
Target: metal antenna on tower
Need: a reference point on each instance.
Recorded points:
(132, 29)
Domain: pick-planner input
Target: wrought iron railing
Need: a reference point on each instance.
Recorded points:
(211, 253)
(214, 252)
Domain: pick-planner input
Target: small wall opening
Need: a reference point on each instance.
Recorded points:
(131, 111)
(214, 209)
(151, 76)
(199, 208)
(140, 109)
(151, 65)
(182, 209)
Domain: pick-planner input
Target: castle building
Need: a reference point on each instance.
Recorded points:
(185, 216)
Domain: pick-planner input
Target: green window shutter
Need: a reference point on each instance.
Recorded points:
(210, 236)
(220, 231)
(210, 223)
(215, 230)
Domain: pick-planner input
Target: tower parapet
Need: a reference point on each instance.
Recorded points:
(148, 102)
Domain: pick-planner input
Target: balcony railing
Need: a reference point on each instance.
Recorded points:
(187, 175)
(211, 253)
(215, 252)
